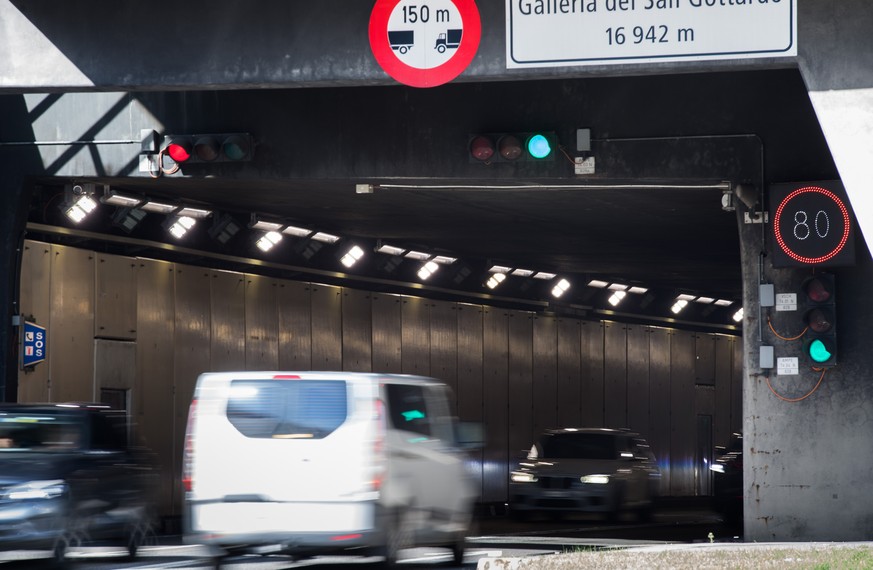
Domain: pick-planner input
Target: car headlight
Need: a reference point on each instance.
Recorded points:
(36, 490)
(717, 467)
(523, 477)
(595, 479)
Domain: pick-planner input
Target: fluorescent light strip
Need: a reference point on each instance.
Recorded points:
(419, 255)
(195, 213)
(296, 231)
(598, 284)
(159, 207)
(499, 269)
(390, 249)
(444, 259)
(522, 272)
(544, 275)
(325, 237)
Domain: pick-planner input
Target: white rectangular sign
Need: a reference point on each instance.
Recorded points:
(789, 366)
(552, 33)
(786, 302)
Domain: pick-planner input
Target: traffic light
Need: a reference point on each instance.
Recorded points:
(224, 147)
(512, 147)
(820, 339)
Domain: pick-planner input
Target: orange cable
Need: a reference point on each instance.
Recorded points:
(805, 396)
(769, 324)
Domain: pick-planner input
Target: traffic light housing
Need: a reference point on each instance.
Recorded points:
(208, 148)
(820, 338)
(512, 147)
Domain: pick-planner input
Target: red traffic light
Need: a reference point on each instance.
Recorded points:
(224, 147)
(817, 290)
(481, 148)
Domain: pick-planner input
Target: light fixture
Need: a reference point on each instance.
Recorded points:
(268, 241)
(544, 276)
(417, 255)
(681, 302)
(224, 227)
(704, 300)
(389, 249)
(153, 207)
(263, 225)
(127, 218)
(598, 284)
(560, 288)
(723, 302)
(297, 231)
(637, 290)
(351, 256)
(196, 213)
(325, 237)
(444, 259)
(519, 272)
(616, 298)
(115, 198)
(499, 269)
(178, 226)
(738, 316)
(495, 280)
(78, 207)
(428, 269)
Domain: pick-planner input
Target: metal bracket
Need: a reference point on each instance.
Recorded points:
(759, 217)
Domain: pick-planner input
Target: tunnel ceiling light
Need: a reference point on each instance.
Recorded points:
(545, 276)
(352, 256)
(78, 208)
(495, 280)
(264, 225)
(427, 270)
(723, 302)
(159, 207)
(127, 218)
(560, 288)
(325, 237)
(224, 227)
(444, 259)
(268, 241)
(704, 300)
(638, 290)
(686, 297)
(115, 198)
(679, 305)
(417, 255)
(738, 316)
(196, 213)
(616, 298)
(297, 231)
(389, 249)
(499, 269)
(178, 226)
(598, 284)
(617, 287)
(519, 272)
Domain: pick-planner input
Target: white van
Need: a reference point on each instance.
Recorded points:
(314, 462)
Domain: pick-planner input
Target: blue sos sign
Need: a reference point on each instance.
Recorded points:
(812, 225)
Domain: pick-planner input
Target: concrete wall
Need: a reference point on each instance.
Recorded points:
(150, 327)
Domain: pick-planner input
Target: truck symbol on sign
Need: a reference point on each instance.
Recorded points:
(401, 40)
(450, 39)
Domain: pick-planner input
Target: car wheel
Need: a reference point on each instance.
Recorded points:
(458, 550)
(396, 537)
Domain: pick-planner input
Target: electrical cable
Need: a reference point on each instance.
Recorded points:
(770, 324)
(805, 396)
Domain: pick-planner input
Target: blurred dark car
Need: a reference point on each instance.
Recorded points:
(69, 477)
(585, 470)
(727, 481)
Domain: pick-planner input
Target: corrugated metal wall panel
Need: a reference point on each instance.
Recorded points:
(357, 326)
(193, 329)
(496, 366)
(737, 386)
(592, 374)
(721, 425)
(470, 383)
(659, 402)
(444, 344)
(115, 301)
(155, 354)
(387, 337)
(615, 375)
(519, 382)
(545, 373)
(227, 349)
(704, 369)
(262, 323)
(36, 271)
(71, 337)
(683, 426)
(638, 399)
(569, 383)
(327, 327)
(295, 325)
(415, 336)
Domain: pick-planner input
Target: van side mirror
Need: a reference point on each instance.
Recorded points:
(470, 435)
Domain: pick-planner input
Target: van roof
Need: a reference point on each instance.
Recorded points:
(323, 375)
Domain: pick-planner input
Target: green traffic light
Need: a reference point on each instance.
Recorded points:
(538, 146)
(818, 351)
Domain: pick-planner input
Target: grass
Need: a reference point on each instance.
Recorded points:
(814, 556)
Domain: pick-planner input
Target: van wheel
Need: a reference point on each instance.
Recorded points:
(458, 550)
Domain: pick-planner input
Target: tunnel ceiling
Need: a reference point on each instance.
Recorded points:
(653, 219)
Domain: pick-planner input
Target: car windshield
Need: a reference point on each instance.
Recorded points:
(578, 446)
(38, 432)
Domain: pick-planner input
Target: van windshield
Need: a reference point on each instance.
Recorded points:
(287, 409)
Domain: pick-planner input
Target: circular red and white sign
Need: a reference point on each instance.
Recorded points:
(424, 43)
